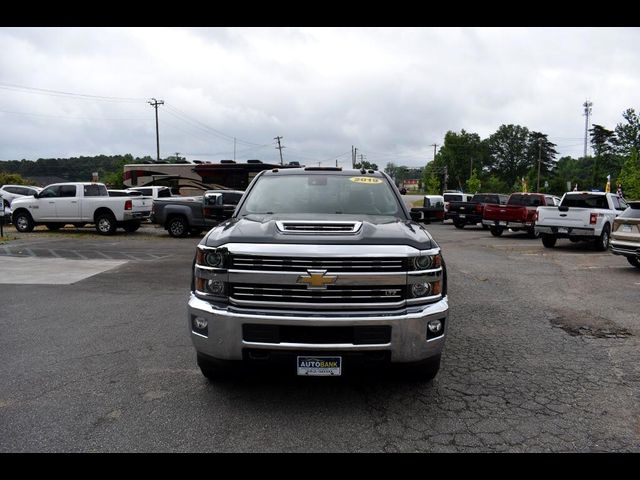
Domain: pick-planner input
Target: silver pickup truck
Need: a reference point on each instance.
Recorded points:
(323, 271)
(183, 215)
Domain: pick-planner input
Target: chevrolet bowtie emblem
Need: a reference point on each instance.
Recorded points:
(317, 279)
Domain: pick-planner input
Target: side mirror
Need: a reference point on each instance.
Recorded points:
(36, 195)
(416, 215)
(563, 209)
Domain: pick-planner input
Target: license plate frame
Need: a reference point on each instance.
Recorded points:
(625, 228)
(319, 365)
(563, 230)
(463, 215)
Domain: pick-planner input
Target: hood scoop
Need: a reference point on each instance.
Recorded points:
(318, 227)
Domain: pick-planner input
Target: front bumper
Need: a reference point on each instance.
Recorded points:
(408, 343)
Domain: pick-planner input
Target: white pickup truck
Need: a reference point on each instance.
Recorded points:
(79, 203)
(580, 216)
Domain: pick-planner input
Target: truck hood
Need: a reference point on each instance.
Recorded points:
(376, 230)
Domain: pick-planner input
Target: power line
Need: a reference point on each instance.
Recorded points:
(186, 117)
(71, 116)
(58, 93)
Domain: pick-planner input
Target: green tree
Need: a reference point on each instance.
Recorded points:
(432, 185)
(493, 184)
(366, 165)
(627, 135)
(630, 177)
(12, 179)
(509, 149)
(460, 153)
(474, 183)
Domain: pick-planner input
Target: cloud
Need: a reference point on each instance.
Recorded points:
(392, 92)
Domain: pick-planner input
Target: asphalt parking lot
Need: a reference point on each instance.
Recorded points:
(542, 355)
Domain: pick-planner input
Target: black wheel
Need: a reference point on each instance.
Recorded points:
(423, 371)
(23, 222)
(178, 227)
(549, 241)
(53, 226)
(459, 225)
(131, 226)
(485, 227)
(634, 261)
(496, 231)
(216, 370)
(106, 224)
(602, 243)
(531, 233)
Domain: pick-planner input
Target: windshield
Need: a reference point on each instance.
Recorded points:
(322, 194)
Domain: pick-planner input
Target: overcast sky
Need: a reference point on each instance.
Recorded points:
(391, 92)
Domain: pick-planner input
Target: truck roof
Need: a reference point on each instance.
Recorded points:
(322, 171)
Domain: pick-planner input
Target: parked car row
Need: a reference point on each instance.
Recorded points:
(602, 218)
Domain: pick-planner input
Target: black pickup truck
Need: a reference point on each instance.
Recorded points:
(183, 215)
(470, 213)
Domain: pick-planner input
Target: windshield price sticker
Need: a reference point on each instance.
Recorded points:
(367, 180)
(320, 366)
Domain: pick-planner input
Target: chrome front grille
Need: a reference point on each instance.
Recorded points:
(335, 264)
(333, 295)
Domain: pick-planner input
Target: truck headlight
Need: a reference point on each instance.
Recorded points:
(427, 262)
(211, 257)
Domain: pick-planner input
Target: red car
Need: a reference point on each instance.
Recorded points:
(518, 214)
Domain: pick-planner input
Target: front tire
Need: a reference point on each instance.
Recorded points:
(459, 225)
(23, 222)
(178, 227)
(106, 224)
(549, 241)
(634, 261)
(602, 243)
(531, 233)
(496, 231)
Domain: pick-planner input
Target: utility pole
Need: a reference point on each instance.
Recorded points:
(155, 104)
(355, 156)
(279, 147)
(234, 149)
(587, 112)
(434, 145)
(539, 161)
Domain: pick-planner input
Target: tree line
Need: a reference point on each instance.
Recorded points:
(514, 155)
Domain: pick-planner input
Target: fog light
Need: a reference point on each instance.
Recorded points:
(420, 289)
(200, 323)
(216, 287)
(434, 326)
